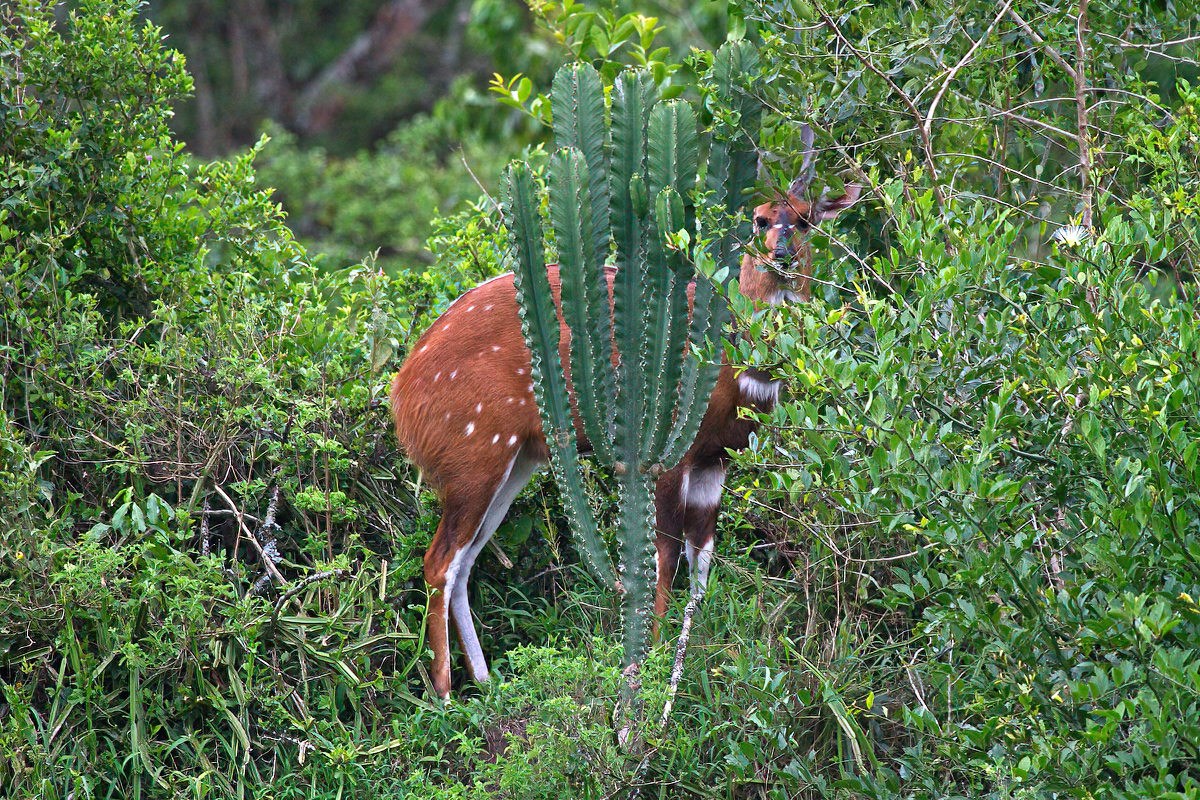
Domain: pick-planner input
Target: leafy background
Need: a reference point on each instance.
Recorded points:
(962, 559)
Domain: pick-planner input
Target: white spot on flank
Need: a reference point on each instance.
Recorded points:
(470, 308)
(495, 347)
(424, 347)
(470, 428)
(512, 440)
(435, 377)
(521, 371)
(495, 438)
(478, 407)
(529, 388)
(522, 401)
(758, 391)
(452, 374)
(511, 399)
(487, 308)
(447, 415)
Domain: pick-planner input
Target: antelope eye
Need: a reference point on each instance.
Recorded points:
(762, 223)
(802, 225)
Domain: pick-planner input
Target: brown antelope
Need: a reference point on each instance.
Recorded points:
(464, 408)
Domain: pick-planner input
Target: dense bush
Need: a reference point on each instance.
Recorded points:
(384, 201)
(167, 350)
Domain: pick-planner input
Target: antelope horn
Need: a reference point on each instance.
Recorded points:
(807, 169)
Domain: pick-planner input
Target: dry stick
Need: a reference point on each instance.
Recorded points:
(204, 544)
(499, 553)
(268, 564)
(271, 548)
(680, 652)
(926, 144)
(301, 586)
(672, 689)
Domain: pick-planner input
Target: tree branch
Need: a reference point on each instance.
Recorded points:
(1055, 56)
(962, 62)
(1081, 116)
(926, 143)
(371, 53)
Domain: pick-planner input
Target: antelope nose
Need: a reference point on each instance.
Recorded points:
(785, 249)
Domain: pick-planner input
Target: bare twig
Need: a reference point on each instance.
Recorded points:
(962, 62)
(1081, 116)
(268, 564)
(225, 512)
(1055, 56)
(1010, 114)
(1156, 48)
(463, 157)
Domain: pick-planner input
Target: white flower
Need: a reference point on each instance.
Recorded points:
(1071, 235)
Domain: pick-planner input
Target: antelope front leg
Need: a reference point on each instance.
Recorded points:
(668, 507)
(702, 499)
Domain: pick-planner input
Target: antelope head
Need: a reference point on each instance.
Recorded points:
(778, 268)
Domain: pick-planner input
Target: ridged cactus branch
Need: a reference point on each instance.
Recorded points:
(668, 335)
(698, 377)
(673, 148)
(732, 166)
(635, 544)
(627, 187)
(539, 324)
(584, 296)
(633, 97)
(733, 158)
(577, 103)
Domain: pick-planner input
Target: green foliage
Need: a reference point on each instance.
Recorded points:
(382, 201)
(964, 565)
(170, 360)
(1025, 432)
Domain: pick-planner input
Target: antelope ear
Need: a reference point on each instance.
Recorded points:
(827, 208)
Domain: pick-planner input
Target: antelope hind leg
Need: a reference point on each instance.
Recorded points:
(520, 470)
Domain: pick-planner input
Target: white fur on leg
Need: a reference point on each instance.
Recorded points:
(700, 562)
(758, 391)
(703, 488)
(518, 473)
